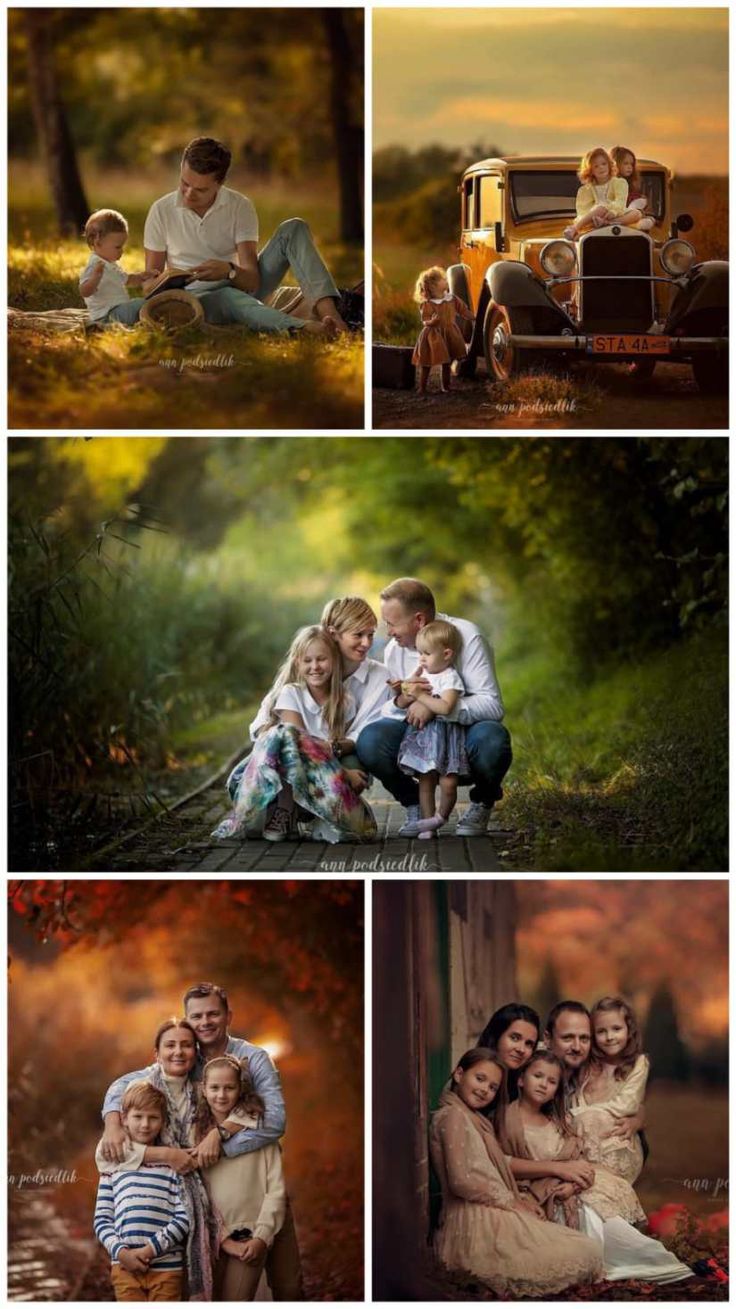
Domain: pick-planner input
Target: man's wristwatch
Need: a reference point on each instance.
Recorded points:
(225, 1134)
(233, 271)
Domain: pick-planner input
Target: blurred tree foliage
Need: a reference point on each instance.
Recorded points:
(415, 192)
(284, 89)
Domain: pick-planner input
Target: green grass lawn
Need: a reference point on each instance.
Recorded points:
(209, 378)
(626, 773)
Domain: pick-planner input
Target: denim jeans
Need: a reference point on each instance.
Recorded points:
(489, 751)
(128, 312)
(291, 247)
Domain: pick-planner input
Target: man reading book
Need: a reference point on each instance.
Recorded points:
(212, 232)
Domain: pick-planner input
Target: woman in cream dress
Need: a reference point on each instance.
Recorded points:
(487, 1228)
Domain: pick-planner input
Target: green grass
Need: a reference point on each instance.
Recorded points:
(627, 773)
(125, 378)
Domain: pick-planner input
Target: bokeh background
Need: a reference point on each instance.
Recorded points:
(458, 85)
(448, 953)
(101, 105)
(157, 582)
(96, 966)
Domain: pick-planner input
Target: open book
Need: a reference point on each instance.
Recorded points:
(171, 279)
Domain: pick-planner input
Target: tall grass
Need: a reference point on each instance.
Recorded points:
(627, 773)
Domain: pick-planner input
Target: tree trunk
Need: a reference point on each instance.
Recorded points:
(72, 210)
(345, 102)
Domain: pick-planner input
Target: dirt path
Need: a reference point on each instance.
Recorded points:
(607, 399)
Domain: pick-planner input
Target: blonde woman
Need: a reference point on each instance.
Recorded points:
(292, 766)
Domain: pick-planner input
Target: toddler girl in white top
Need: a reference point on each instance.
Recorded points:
(103, 284)
(435, 753)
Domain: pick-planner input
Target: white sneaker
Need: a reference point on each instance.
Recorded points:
(410, 827)
(474, 821)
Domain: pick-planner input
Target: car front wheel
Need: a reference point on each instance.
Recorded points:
(503, 360)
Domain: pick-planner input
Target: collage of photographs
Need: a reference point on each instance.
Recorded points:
(367, 652)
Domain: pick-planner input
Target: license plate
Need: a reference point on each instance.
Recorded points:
(628, 345)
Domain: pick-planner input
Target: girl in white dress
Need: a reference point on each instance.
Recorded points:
(536, 1127)
(613, 1087)
(436, 752)
(486, 1227)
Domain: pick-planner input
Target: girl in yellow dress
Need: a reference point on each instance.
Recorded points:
(440, 340)
(603, 197)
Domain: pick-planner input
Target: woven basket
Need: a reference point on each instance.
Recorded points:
(172, 310)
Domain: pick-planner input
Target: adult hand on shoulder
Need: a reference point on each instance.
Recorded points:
(211, 270)
(418, 715)
(114, 1143)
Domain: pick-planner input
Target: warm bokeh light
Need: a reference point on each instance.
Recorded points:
(547, 81)
(603, 937)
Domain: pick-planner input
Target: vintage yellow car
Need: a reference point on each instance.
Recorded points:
(615, 294)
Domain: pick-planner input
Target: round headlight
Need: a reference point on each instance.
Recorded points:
(677, 257)
(558, 258)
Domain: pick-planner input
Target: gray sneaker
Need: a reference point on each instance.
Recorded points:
(474, 821)
(410, 826)
(278, 826)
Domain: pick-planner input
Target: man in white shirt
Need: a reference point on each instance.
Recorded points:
(206, 228)
(407, 605)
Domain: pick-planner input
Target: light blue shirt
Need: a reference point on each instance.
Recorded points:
(266, 1082)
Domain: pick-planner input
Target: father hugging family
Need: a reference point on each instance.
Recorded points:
(423, 721)
(191, 1201)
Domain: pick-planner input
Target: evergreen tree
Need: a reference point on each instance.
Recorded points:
(662, 1040)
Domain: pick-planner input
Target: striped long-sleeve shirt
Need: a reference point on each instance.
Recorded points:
(139, 1206)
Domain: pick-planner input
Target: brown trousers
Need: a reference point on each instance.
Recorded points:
(283, 1265)
(151, 1285)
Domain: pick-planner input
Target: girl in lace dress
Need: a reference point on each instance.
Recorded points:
(486, 1227)
(613, 1087)
(536, 1128)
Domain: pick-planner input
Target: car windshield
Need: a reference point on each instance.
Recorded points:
(540, 194)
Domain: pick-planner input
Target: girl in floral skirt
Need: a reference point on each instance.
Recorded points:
(292, 766)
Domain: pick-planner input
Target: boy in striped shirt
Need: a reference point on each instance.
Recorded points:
(140, 1216)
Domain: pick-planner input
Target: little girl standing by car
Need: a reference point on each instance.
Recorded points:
(436, 752)
(440, 340)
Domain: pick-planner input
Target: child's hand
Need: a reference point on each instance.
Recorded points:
(147, 1252)
(133, 1261)
(254, 1250)
(357, 779)
(566, 1191)
(209, 1149)
(530, 1205)
(395, 683)
(236, 1248)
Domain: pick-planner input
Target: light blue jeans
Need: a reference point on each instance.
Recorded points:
(127, 312)
(291, 247)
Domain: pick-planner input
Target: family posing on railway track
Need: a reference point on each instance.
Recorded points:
(537, 1144)
(423, 721)
(191, 1201)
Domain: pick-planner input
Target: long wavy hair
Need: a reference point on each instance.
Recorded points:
(634, 1045)
(290, 671)
(585, 172)
(554, 1109)
(249, 1100)
(618, 154)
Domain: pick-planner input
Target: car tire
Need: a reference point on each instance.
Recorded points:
(711, 373)
(507, 362)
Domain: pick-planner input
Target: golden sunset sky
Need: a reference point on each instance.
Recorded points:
(554, 81)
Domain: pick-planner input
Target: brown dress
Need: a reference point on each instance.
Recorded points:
(440, 342)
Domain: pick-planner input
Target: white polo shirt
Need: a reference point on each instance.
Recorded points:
(367, 691)
(189, 239)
